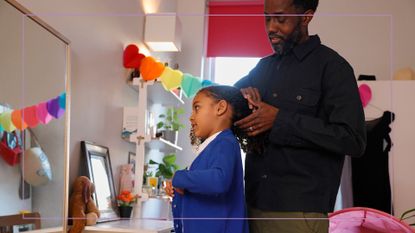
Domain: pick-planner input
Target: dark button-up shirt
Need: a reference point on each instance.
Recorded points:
(320, 120)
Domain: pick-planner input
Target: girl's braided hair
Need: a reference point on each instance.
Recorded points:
(240, 109)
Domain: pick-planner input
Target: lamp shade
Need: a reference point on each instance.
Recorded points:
(162, 32)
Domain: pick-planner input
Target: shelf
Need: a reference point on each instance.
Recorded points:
(157, 93)
(162, 144)
(156, 143)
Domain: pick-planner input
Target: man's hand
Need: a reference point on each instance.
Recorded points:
(261, 120)
(253, 94)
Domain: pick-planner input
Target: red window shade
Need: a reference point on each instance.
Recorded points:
(237, 29)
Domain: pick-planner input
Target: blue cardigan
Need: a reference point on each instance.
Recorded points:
(214, 199)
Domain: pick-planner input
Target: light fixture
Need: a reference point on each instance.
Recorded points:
(162, 32)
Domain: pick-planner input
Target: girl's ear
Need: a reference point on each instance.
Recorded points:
(221, 107)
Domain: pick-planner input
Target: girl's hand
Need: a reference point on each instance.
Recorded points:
(168, 188)
(179, 191)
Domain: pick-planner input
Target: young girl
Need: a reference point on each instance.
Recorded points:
(209, 196)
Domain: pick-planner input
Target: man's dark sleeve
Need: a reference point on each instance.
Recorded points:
(341, 127)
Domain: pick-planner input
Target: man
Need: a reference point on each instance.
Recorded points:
(305, 100)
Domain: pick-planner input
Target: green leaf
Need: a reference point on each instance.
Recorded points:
(407, 212)
(169, 159)
(152, 162)
(160, 125)
(176, 167)
(408, 217)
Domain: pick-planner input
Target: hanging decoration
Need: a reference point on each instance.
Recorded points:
(150, 69)
(30, 117)
(17, 120)
(190, 85)
(42, 113)
(171, 79)
(6, 121)
(365, 94)
(132, 57)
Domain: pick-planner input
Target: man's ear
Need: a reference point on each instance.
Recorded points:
(221, 107)
(308, 16)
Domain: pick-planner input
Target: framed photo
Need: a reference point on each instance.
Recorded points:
(99, 171)
(131, 159)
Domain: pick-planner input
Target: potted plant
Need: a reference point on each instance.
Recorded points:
(170, 124)
(408, 215)
(125, 203)
(166, 168)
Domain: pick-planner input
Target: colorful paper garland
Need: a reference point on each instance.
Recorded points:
(151, 69)
(33, 115)
(171, 79)
(42, 113)
(190, 85)
(6, 121)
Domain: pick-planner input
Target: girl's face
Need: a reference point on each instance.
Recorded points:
(203, 115)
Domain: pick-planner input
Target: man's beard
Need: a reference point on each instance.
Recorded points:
(286, 44)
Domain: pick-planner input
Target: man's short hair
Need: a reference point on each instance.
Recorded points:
(306, 4)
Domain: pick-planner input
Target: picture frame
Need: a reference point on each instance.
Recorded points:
(99, 171)
(132, 159)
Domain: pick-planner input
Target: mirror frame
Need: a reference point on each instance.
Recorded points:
(88, 150)
(29, 15)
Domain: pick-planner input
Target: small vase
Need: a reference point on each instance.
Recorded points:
(125, 211)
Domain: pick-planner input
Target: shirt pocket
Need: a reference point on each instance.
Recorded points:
(305, 100)
(300, 100)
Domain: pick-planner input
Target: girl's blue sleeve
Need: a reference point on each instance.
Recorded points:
(218, 177)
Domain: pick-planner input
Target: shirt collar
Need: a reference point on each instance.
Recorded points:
(205, 143)
(302, 50)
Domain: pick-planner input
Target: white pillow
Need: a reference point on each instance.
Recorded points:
(36, 167)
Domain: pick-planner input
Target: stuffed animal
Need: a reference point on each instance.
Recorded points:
(82, 207)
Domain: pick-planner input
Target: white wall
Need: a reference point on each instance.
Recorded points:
(373, 44)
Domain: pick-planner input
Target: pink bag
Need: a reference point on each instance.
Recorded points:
(366, 220)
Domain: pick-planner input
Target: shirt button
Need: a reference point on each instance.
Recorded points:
(299, 97)
(177, 225)
(264, 176)
(275, 95)
(174, 206)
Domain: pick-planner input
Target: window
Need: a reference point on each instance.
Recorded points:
(228, 70)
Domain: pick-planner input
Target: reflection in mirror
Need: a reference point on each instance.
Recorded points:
(33, 74)
(99, 172)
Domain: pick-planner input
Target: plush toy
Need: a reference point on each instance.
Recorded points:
(82, 207)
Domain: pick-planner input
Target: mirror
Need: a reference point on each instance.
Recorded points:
(34, 71)
(100, 173)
